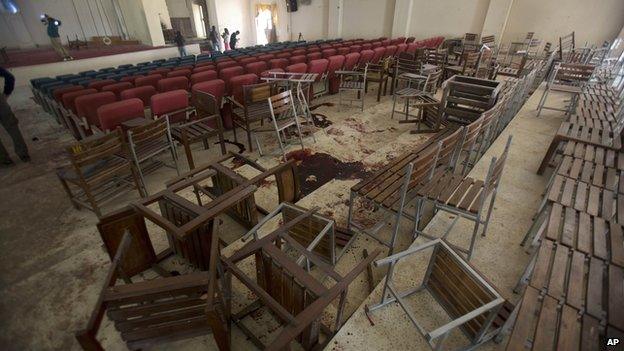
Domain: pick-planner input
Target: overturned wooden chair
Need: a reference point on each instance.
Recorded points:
(211, 181)
(160, 310)
(99, 172)
(283, 285)
(473, 304)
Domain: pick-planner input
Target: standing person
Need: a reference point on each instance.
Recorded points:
(234, 39)
(226, 39)
(180, 42)
(214, 39)
(10, 123)
(53, 32)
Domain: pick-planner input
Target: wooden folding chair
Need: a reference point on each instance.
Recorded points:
(207, 125)
(99, 171)
(472, 303)
(160, 310)
(146, 142)
(566, 78)
(396, 192)
(352, 82)
(378, 73)
(254, 108)
(284, 118)
(418, 94)
(286, 287)
(464, 197)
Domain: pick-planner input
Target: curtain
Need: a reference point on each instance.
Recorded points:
(272, 36)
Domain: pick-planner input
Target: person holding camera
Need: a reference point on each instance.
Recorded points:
(53, 32)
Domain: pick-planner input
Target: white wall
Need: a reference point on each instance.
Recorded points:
(592, 21)
(310, 20)
(367, 18)
(449, 18)
(236, 15)
(178, 8)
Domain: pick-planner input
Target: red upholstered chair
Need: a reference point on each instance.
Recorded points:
(297, 68)
(314, 49)
(143, 93)
(215, 88)
(151, 80)
(366, 46)
(87, 106)
(365, 57)
(114, 114)
(278, 63)
(185, 67)
(320, 86)
(174, 83)
(283, 55)
(229, 73)
(174, 103)
(335, 63)
(99, 84)
(375, 45)
(69, 99)
(223, 59)
(298, 52)
(411, 47)
(239, 82)
(351, 61)
(117, 88)
(58, 92)
(204, 68)
(355, 48)
(162, 71)
(343, 50)
(329, 52)
(266, 57)
(203, 77)
(205, 64)
(313, 56)
(400, 48)
(385, 42)
(256, 67)
(297, 59)
(243, 62)
(390, 51)
(131, 79)
(225, 64)
(378, 54)
(179, 73)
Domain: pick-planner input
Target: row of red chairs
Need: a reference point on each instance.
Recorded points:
(107, 103)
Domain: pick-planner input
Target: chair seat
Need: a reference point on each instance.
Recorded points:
(150, 148)
(408, 92)
(194, 131)
(352, 85)
(255, 112)
(453, 190)
(92, 171)
(566, 88)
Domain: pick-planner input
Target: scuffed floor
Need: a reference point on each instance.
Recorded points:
(53, 263)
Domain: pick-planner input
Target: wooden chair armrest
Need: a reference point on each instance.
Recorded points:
(203, 119)
(354, 73)
(186, 109)
(234, 102)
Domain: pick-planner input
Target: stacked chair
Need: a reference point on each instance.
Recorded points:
(575, 240)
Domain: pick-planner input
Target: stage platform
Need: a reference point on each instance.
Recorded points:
(93, 59)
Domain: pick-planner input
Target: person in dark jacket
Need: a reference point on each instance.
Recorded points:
(53, 32)
(180, 42)
(234, 39)
(214, 39)
(9, 122)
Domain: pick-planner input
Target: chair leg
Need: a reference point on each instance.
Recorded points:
(549, 154)
(174, 155)
(473, 240)
(258, 144)
(487, 217)
(350, 213)
(279, 140)
(222, 142)
(418, 209)
(542, 102)
(394, 99)
(93, 203)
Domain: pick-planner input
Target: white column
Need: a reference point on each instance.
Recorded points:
(334, 21)
(402, 18)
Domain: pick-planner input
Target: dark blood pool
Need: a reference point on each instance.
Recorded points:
(316, 169)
